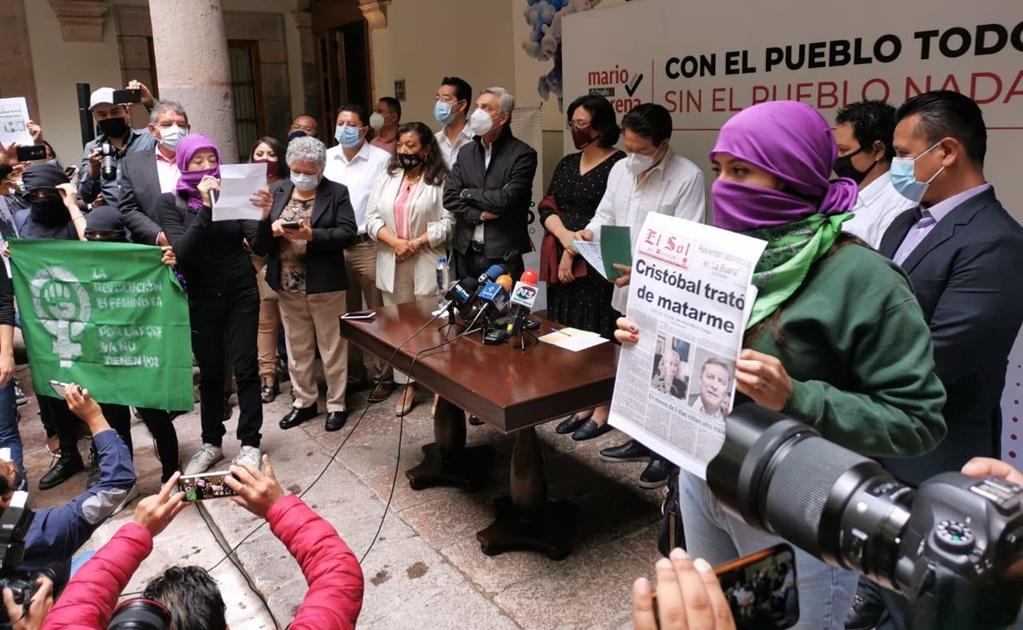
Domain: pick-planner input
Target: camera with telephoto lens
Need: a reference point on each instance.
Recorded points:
(108, 167)
(14, 524)
(945, 546)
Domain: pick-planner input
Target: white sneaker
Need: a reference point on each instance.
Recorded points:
(133, 493)
(249, 455)
(203, 459)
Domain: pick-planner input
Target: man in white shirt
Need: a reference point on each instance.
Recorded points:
(357, 164)
(451, 111)
(863, 132)
(652, 179)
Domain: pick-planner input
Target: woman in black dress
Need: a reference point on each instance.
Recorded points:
(577, 294)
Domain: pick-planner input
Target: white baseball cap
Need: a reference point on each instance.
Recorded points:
(101, 96)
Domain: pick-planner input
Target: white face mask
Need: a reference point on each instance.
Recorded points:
(171, 136)
(481, 122)
(376, 121)
(639, 163)
(305, 182)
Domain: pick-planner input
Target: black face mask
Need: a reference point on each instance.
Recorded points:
(49, 213)
(114, 127)
(844, 167)
(408, 161)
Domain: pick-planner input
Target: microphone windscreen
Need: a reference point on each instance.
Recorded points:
(529, 276)
(494, 271)
(505, 281)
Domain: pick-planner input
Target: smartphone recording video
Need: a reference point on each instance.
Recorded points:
(761, 589)
(127, 96)
(59, 388)
(31, 153)
(205, 486)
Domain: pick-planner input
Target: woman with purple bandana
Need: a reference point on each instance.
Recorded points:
(223, 298)
(836, 338)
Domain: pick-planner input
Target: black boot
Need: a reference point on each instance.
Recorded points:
(656, 473)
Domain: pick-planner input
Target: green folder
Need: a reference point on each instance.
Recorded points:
(615, 247)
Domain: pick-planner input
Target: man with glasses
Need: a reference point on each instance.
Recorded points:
(146, 175)
(451, 111)
(357, 164)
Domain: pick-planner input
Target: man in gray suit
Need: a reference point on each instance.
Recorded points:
(145, 175)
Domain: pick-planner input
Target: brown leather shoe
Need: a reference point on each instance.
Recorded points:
(406, 401)
(381, 392)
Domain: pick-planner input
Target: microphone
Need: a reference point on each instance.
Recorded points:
(493, 298)
(460, 296)
(522, 300)
(490, 275)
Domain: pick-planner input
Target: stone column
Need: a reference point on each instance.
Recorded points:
(193, 68)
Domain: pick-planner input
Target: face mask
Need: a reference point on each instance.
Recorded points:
(114, 127)
(346, 136)
(481, 123)
(844, 167)
(639, 163)
(271, 167)
(305, 182)
(376, 121)
(171, 136)
(743, 207)
(49, 211)
(297, 134)
(903, 172)
(408, 161)
(442, 112)
(582, 138)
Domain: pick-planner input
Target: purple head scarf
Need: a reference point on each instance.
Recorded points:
(189, 182)
(794, 143)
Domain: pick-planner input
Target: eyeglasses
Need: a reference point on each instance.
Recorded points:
(577, 124)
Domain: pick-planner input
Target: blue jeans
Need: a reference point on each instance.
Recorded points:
(9, 435)
(825, 593)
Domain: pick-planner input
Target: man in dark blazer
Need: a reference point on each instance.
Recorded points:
(962, 252)
(145, 175)
(490, 189)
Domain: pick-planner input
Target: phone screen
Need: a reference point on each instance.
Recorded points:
(290, 225)
(761, 589)
(205, 486)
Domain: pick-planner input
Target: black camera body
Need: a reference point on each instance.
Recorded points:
(14, 523)
(945, 546)
(108, 167)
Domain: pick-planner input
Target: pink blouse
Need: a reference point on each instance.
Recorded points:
(403, 209)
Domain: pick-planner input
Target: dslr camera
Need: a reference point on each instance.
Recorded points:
(945, 546)
(14, 524)
(108, 167)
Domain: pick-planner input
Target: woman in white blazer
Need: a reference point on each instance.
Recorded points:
(407, 219)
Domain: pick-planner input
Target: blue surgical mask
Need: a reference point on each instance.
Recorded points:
(903, 172)
(348, 137)
(442, 112)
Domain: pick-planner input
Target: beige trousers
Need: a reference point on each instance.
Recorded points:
(311, 322)
(363, 294)
(269, 320)
(404, 291)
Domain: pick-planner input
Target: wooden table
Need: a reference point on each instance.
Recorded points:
(511, 389)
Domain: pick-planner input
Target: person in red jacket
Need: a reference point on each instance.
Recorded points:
(335, 578)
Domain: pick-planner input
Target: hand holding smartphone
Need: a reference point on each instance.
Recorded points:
(61, 388)
(290, 225)
(205, 486)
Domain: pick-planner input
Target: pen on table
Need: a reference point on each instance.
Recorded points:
(555, 330)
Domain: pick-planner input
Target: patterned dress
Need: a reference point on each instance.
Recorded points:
(584, 303)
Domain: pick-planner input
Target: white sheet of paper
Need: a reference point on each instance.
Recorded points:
(238, 183)
(14, 121)
(581, 342)
(591, 252)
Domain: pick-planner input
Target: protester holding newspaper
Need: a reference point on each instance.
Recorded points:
(835, 340)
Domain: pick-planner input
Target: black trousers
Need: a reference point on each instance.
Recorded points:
(231, 317)
(69, 426)
(473, 264)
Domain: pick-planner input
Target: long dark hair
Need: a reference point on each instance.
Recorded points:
(435, 171)
(278, 149)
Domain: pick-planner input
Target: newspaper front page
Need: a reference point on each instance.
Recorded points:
(688, 295)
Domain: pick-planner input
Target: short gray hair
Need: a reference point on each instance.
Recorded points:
(507, 101)
(162, 107)
(306, 149)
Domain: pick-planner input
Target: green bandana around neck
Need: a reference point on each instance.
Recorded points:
(791, 250)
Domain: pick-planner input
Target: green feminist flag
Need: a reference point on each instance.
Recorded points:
(108, 316)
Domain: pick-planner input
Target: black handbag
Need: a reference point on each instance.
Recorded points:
(671, 533)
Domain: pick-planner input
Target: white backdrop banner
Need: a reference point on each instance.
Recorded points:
(704, 61)
(527, 125)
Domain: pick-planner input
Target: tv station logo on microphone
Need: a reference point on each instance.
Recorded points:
(619, 85)
(524, 294)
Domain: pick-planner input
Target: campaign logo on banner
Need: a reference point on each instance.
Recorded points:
(624, 88)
